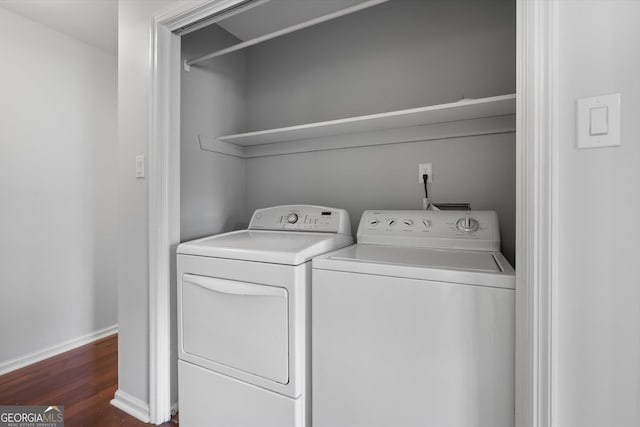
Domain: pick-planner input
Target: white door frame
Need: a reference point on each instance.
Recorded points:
(164, 194)
(536, 210)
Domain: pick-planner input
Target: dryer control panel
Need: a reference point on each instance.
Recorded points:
(302, 218)
(468, 230)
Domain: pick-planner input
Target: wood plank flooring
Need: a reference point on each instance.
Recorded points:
(83, 380)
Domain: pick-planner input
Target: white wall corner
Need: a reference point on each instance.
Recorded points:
(131, 405)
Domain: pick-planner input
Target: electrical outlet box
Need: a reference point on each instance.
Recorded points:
(425, 168)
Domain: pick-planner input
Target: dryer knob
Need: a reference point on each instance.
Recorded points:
(467, 224)
(292, 218)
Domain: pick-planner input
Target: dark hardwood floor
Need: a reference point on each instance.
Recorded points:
(83, 380)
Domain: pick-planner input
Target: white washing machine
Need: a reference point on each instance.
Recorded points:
(414, 325)
(244, 318)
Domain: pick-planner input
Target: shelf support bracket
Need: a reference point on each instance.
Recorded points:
(213, 144)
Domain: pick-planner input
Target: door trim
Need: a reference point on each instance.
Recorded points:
(536, 212)
(164, 195)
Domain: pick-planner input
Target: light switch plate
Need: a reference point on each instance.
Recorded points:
(598, 121)
(140, 167)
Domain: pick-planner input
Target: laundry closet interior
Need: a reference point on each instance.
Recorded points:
(340, 113)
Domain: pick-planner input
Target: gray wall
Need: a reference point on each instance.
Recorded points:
(212, 186)
(57, 190)
(478, 170)
(398, 55)
(598, 295)
(401, 54)
(134, 82)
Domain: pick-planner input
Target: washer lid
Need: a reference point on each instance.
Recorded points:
(421, 257)
(278, 247)
(482, 268)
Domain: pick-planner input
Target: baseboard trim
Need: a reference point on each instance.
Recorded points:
(131, 405)
(29, 359)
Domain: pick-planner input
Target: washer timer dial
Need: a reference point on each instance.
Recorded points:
(467, 224)
(292, 218)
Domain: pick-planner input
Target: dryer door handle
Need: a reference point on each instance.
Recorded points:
(235, 287)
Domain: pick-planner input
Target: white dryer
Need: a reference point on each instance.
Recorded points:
(414, 325)
(244, 318)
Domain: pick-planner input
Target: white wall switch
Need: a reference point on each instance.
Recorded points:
(598, 121)
(139, 166)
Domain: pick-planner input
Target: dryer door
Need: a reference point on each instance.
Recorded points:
(236, 324)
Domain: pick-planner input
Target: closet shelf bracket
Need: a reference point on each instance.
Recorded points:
(209, 143)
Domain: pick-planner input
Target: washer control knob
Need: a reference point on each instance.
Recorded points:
(292, 218)
(374, 222)
(426, 222)
(391, 222)
(408, 222)
(467, 224)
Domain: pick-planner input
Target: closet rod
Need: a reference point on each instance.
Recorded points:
(293, 28)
